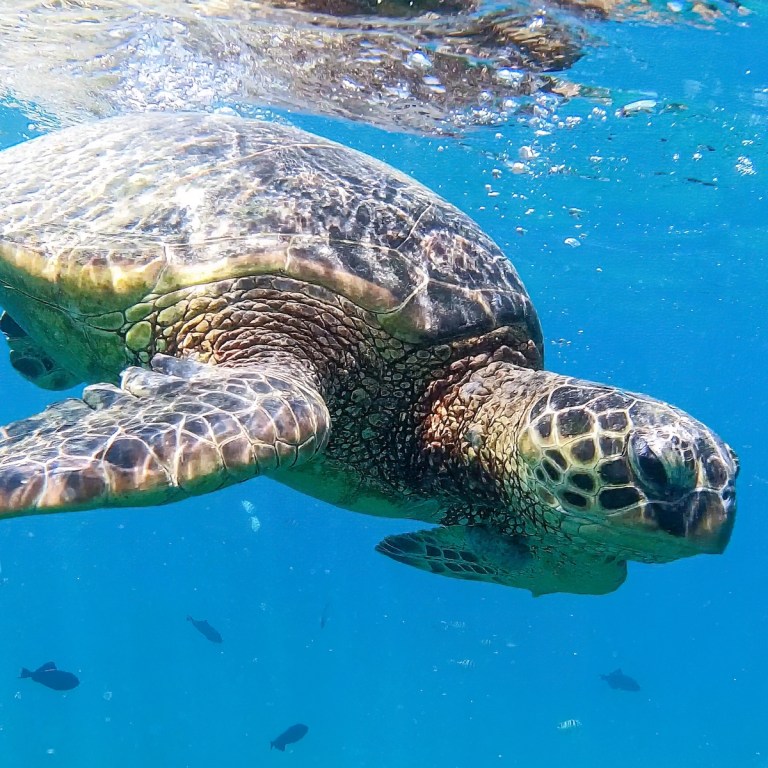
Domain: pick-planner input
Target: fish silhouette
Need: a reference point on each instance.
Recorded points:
(621, 682)
(51, 677)
(205, 629)
(290, 736)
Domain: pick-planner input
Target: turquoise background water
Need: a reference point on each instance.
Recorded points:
(666, 294)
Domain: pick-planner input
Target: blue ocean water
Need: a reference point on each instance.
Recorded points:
(665, 294)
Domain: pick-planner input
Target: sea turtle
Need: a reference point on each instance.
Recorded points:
(273, 303)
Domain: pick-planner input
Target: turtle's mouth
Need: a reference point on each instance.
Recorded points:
(699, 522)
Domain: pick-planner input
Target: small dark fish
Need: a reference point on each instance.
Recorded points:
(291, 736)
(205, 629)
(51, 677)
(621, 682)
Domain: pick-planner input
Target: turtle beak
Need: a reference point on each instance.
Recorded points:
(689, 480)
(699, 523)
(704, 518)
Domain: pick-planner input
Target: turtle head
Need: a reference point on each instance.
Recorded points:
(630, 472)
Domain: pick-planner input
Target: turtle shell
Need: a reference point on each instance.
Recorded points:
(97, 216)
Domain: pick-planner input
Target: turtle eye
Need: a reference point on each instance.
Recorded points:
(647, 463)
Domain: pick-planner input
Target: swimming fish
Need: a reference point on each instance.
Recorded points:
(205, 629)
(567, 725)
(291, 736)
(621, 682)
(51, 677)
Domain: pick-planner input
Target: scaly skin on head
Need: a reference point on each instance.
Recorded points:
(539, 452)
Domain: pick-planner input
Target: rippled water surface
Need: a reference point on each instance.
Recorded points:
(616, 152)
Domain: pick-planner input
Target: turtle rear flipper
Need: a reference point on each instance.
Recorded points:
(479, 553)
(177, 430)
(30, 360)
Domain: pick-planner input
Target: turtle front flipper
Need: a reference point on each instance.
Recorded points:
(177, 430)
(480, 553)
(30, 360)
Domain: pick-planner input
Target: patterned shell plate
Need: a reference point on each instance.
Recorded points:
(98, 216)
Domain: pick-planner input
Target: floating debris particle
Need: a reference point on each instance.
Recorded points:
(455, 624)
(325, 615)
(636, 107)
(572, 242)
